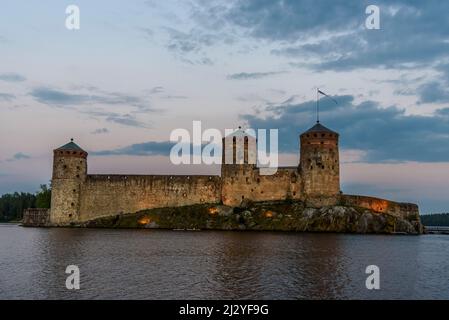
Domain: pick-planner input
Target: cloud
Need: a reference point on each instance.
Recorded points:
(94, 96)
(123, 119)
(173, 97)
(156, 90)
(433, 92)
(191, 44)
(12, 77)
(140, 149)
(6, 96)
(100, 131)
(148, 33)
(293, 19)
(383, 134)
(151, 148)
(252, 75)
(18, 156)
(52, 96)
(332, 35)
(126, 119)
(444, 68)
(159, 92)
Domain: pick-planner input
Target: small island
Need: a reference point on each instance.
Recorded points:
(306, 197)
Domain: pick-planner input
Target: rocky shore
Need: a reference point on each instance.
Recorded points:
(274, 216)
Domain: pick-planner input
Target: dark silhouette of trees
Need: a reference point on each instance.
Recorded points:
(437, 219)
(13, 204)
(43, 197)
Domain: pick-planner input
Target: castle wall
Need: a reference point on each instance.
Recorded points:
(245, 182)
(105, 195)
(36, 217)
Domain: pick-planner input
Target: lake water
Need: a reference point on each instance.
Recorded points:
(155, 264)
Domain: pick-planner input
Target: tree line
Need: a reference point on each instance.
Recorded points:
(436, 219)
(13, 204)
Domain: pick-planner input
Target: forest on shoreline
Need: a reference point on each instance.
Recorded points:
(13, 204)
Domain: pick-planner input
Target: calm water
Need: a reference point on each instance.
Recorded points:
(153, 264)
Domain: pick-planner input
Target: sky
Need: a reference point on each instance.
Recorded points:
(137, 70)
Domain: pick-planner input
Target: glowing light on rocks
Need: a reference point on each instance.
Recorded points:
(268, 214)
(144, 220)
(213, 210)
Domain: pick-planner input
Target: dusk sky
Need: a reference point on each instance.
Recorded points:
(136, 70)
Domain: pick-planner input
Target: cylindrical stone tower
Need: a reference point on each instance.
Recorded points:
(239, 148)
(237, 168)
(319, 163)
(69, 172)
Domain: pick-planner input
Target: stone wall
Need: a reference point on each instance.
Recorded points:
(242, 182)
(106, 195)
(34, 217)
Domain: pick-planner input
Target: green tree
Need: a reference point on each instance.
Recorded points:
(43, 197)
(13, 204)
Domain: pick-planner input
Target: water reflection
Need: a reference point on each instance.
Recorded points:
(153, 264)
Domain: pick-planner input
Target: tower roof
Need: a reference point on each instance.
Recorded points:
(318, 127)
(240, 133)
(71, 146)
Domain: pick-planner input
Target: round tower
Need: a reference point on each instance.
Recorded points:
(239, 148)
(69, 173)
(319, 162)
(237, 169)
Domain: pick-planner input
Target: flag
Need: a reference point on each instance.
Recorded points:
(319, 91)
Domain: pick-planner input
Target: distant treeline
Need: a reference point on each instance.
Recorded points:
(13, 204)
(436, 219)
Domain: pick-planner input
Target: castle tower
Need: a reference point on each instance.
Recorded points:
(239, 149)
(319, 162)
(239, 159)
(69, 172)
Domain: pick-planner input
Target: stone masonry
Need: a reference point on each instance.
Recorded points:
(78, 196)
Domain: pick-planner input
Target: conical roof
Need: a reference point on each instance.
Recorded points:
(318, 127)
(240, 133)
(71, 146)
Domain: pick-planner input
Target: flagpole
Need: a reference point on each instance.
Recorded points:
(318, 91)
(317, 106)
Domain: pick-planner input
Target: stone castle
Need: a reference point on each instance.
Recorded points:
(78, 197)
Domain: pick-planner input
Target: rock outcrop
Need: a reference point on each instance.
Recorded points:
(276, 216)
